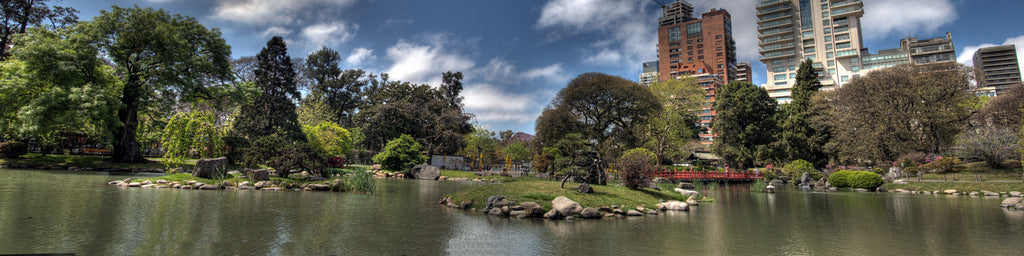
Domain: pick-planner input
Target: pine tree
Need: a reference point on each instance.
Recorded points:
(274, 110)
(799, 140)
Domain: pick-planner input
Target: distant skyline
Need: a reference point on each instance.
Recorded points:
(516, 55)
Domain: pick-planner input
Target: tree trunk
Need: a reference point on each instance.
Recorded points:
(126, 148)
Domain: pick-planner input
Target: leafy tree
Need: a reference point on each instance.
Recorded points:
(17, 16)
(339, 89)
(637, 168)
(393, 108)
(798, 138)
(797, 167)
(607, 110)
(159, 57)
(990, 144)
(516, 151)
(1004, 110)
(451, 87)
(668, 132)
(274, 110)
(284, 156)
(480, 146)
(329, 139)
(746, 124)
(401, 153)
(896, 111)
(313, 112)
(191, 131)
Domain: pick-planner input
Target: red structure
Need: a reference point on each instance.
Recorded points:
(724, 176)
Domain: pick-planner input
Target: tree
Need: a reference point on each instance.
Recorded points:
(798, 138)
(313, 112)
(451, 87)
(329, 139)
(480, 146)
(159, 57)
(274, 110)
(17, 16)
(1003, 110)
(341, 90)
(895, 111)
(668, 132)
(746, 124)
(191, 131)
(515, 152)
(401, 153)
(991, 144)
(637, 168)
(607, 110)
(797, 167)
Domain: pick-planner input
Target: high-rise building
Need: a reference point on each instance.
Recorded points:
(649, 73)
(828, 32)
(711, 83)
(744, 73)
(997, 68)
(691, 46)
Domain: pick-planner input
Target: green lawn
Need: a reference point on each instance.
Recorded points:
(465, 174)
(528, 189)
(958, 186)
(85, 161)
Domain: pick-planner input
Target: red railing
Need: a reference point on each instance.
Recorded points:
(685, 175)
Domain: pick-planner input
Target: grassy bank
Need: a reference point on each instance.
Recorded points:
(469, 175)
(958, 186)
(85, 161)
(528, 189)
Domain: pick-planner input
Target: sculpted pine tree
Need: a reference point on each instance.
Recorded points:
(799, 139)
(160, 57)
(273, 112)
(745, 125)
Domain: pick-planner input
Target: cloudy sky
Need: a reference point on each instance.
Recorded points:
(517, 54)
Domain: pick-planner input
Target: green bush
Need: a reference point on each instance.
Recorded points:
(13, 149)
(234, 148)
(855, 179)
(797, 167)
(283, 156)
(401, 153)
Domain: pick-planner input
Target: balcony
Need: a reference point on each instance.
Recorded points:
(776, 8)
(776, 31)
(777, 54)
(848, 11)
(774, 39)
(776, 23)
(847, 3)
(846, 54)
(770, 17)
(774, 47)
(770, 3)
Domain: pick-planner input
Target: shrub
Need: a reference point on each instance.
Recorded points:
(283, 156)
(401, 153)
(234, 148)
(855, 179)
(329, 139)
(637, 168)
(191, 131)
(13, 149)
(797, 167)
(944, 165)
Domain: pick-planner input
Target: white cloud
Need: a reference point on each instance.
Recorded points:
(629, 26)
(419, 63)
(883, 18)
(276, 31)
(269, 11)
(490, 104)
(359, 55)
(329, 34)
(553, 73)
(967, 55)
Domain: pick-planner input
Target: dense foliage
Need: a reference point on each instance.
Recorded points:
(191, 132)
(746, 124)
(400, 154)
(797, 168)
(12, 149)
(856, 179)
(273, 112)
(669, 131)
(799, 138)
(329, 139)
(638, 167)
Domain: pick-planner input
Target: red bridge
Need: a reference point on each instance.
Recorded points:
(725, 176)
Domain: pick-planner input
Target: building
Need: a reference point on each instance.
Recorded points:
(650, 73)
(828, 32)
(711, 84)
(997, 68)
(744, 73)
(689, 46)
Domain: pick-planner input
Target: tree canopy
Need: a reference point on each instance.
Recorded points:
(745, 125)
(274, 110)
(799, 139)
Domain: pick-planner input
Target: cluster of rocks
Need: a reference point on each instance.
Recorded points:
(479, 179)
(954, 192)
(1013, 202)
(84, 169)
(561, 208)
(331, 185)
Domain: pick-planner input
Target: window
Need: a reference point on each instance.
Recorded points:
(824, 14)
(808, 34)
(689, 53)
(828, 30)
(779, 69)
(674, 50)
(831, 72)
(689, 47)
(674, 34)
(780, 77)
(828, 46)
(825, 23)
(843, 45)
(806, 20)
(808, 49)
(828, 38)
(841, 37)
(718, 37)
(808, 42)
(693, 29)
(831, 63)
(811, 57)
(719, 54)
(700, 51)
(777, 62)
(845, 79)
(855, 69)
(792, 68)
(824, 6)
(829, 55)
(700, 57)
(719, 65)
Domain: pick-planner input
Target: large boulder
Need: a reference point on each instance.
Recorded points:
(534, 210)
(805, 179)
(211, 168)
(585, 188)
(686, 185)
(590, 213)
(425, 172)
(1011, 202)
(673, 206)
(565, 206)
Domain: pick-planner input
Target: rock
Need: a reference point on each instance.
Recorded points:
(320, 187)
(533, 210)
(899, 182)
(496, 212)
(989, 193)
(227, 184)
(900, 191)
(653, 186)
(609, 215)
(262, 184)
(652, 212)
(776, 182)
(1011, 202)
(466, 204)
(552, 214)
(492, 202)
(208, 187)
(116, 182)
(633, 213)
(337, 185)
(161, 181)
(518, 214)
(692, 201)
(686, 185)
(585, 188)
(861, 190)
(211, 168)
(271, 189)
(660, 180)
(975, 193)
(176, 186)
(245, 187)
(134, 184)
(619, 212)
(149, 185)
(146, 182)
(805, 178)
(258, 175)
(881, 190)
(565, 206)
(687, 193)
(376, 167)
(590, 213)
(191, 182)
(949, 191)
(1015, 193)
(244, 183)
(425, 172)
(674, 206)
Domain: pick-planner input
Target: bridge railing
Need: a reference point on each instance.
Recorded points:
(691, 175)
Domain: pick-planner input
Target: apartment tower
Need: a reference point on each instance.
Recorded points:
(997, 68)
(691, 46)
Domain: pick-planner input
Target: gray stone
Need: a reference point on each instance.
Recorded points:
(519, 214)
(552, 214)
(258, 175)
(692, 201)
(652, 212)
(899, 182)
(565, 206)
(244, 183)
(533, 209)
(496, 212)
(146, 182)
(492, 202)
(974, 193)
(899, 191)
(585, 188)
(211, 168)
(633, 213)
(246, 187)
(609, 215)
(208, 187)
(674, 205)
(686, 185)
(805, 178)
(320, 187)
(262, 184)
(425, 172)
(161, 181)
(1015, 193)
(776, 182)
(1011, 202)
(861, 190)
(989, 193)
(590, 213)
(618, 212)
(949, 191)
(149, 185)
(134, 184)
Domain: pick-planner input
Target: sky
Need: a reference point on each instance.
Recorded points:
(516, 55)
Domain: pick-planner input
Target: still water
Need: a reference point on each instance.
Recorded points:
(39, 215)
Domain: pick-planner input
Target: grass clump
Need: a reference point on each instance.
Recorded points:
(360, 181)
(528, 189)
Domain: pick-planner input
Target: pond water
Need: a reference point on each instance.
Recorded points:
(40, 213)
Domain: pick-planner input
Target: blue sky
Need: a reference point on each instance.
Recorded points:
(516, 55)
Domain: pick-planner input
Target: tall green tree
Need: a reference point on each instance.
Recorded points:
(798, 138)
(745, 125)
(668, 132)
(274, 110)
(17, 16)
(339, 89)
(481, 147)
(159, 57)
